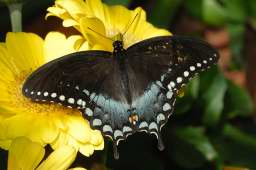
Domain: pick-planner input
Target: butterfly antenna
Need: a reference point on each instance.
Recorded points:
(129, 25)
(100, 34)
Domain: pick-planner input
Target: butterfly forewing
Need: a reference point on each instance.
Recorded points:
(173, 59)
(72, 80)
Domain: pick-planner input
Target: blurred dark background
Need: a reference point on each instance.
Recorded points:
(213, 125)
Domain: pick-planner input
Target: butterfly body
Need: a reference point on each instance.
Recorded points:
(127, 90)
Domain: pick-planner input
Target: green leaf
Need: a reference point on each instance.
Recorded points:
(193, 87)
(185, 103)
(239, 136)
(213, 13)
(214, 99)
(236, 10)
(192, 148)
(235, 147)
(237, 101)
(163, 12)
(194, 7)
(251, 6)
(118, 2)
(236, 32)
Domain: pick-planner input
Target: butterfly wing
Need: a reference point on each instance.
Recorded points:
(160, 67)
(68, 79)
(89, 81)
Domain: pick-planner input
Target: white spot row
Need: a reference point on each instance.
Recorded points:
(128, 130)
(62, 98)
(117, 133)
(186, 74)
(151, 126)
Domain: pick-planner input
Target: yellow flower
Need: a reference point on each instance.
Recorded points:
(23, 149)
(95, 20)
(45, 124)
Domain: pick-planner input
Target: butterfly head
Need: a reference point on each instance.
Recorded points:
(118, 43)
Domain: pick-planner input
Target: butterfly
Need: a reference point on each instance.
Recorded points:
(127, 90)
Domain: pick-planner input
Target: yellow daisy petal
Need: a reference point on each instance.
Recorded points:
(56, 11)
(78, 168)
(76, 8)
(22, 150)
(85, 147)
(69, 23)
(5, 144)
(57, 45)
(27, 49)
(76, 125)
(60, 159)
(6, 67)
(80, 44)
(43, 131)
(96, 8)
(117, 19)
(86, 150)
(94, 31)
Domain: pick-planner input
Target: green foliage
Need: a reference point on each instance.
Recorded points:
(195, 140)
(195, 7)
(164, 9)
(218, 100)
(235, 146)
(251, 6)
(213, 97)
(213, 13)
(236, 32)
(238, 102)
(231, 13)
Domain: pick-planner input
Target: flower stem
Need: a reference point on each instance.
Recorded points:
(15, 10)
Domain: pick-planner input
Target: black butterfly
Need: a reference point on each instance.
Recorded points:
(127, 90)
